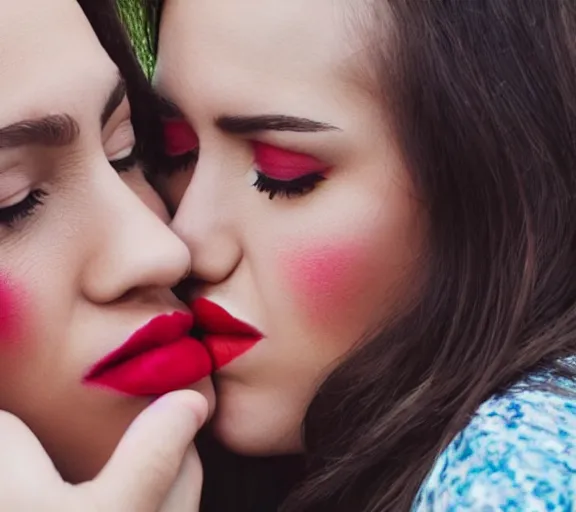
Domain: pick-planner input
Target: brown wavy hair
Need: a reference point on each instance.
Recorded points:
(483, 94)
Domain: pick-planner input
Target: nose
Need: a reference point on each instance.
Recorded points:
(132, 247)
(205, 220)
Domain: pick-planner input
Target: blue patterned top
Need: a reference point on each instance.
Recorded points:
(518, 454)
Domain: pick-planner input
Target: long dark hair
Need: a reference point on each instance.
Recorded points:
(105, 19)
(484, 98)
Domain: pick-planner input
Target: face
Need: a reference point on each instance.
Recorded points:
(86, 259)
(300, 218)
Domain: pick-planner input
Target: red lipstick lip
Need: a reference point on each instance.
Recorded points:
(158, 358)
(225, 337)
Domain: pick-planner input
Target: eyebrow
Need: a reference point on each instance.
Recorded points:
(248, 124)
(56, 130)
(279, 123)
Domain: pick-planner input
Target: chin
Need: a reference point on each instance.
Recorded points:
(242, 429)
(82, 456)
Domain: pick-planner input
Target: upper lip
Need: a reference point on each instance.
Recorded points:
(214, 319)
(161, 330)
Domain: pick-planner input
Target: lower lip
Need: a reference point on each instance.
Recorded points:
(159, 371)
(224, 348)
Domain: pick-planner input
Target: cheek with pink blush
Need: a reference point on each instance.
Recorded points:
(327, 279)
(11, 325)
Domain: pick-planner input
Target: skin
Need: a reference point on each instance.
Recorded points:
(313, 273)
(90, 265)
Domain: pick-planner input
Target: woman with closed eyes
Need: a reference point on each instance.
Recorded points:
(90, 332)
(379, 202)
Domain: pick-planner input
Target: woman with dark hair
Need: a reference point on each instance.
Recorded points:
(380, 203)
(90, 331)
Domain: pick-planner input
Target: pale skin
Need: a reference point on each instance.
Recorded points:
(86, 257)
(155, 468)
(313, 272)
(307, 271)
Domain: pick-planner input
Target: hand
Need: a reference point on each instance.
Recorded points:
(155, 467)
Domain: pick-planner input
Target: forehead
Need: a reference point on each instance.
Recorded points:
(50, 59)
(262, 43)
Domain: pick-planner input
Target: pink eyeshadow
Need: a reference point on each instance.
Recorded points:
(179, 137)
(285, 165)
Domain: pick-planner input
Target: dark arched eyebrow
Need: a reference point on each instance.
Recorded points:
(249, 124)
(279, 123)
(56, 130)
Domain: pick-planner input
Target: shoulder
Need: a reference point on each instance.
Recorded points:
(517, 453)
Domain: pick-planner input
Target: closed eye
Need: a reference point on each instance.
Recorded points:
(284, 173)
(293, 188)
(180, 149)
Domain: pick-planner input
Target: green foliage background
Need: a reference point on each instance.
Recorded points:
(132, 15)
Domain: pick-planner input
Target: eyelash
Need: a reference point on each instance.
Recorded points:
(264, 184)
(127, 163)
(293, 188)
(173, 164)
(16, 212)
(11, 215)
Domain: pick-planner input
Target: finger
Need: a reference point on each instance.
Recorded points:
(29, 479)
(184, 496)
(146, 463)
(22, 456)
